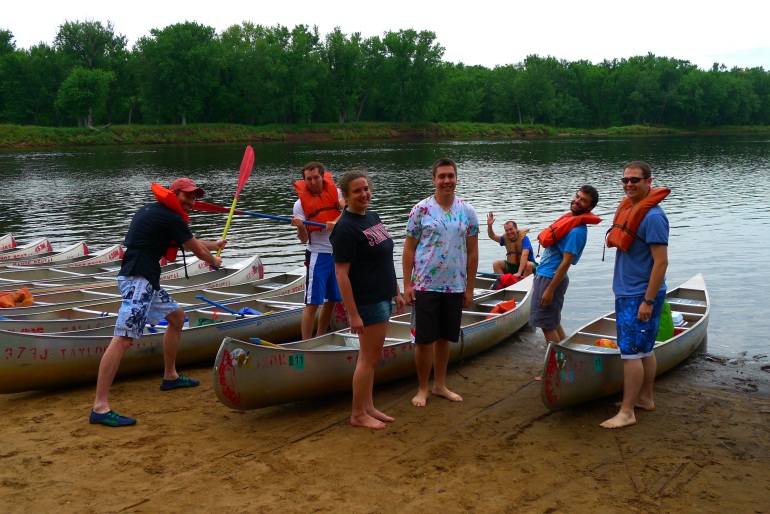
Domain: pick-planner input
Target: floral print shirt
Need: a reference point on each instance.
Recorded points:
(441, 257)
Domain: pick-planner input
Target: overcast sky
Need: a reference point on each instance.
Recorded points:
(733, 33)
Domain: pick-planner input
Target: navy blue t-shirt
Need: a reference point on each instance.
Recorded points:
(151, 231)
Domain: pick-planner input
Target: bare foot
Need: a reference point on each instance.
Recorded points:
(648, 406)
(367, 421)
(446, 393)
(538, 378)
(379, 415)
(619, 421)
(420, 399)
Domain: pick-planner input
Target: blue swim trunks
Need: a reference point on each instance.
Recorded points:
(636, 338)
(321, 285)
(141, 305)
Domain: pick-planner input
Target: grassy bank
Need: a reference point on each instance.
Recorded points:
(13, 136)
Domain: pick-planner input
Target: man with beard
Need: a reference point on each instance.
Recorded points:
(564, 242)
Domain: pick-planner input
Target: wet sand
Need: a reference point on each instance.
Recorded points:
(706, 448)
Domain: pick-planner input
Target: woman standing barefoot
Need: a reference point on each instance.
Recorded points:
(363, 262)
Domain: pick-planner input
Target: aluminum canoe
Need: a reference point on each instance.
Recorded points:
(39, 361)
(72, 253)
(76, 319)
(7, 242)
(34, 248)
(251, 376)
(576, 371)
(58, 297)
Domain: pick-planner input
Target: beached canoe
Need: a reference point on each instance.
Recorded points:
(576, 370)
(33, 248)
(105, 314)
(54, 298)
(38, 361)
(70, 253)
(251, 376)
(7, 242)
(38, 278)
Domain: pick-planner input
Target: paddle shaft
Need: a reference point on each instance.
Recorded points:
(215, 304)
(210, 207)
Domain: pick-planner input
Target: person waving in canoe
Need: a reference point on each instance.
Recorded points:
(156, 231)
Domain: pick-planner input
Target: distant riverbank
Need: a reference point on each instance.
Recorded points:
(15, 136)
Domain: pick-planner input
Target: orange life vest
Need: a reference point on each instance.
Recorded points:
(514, 248)
(169, 199)
(628, 217)
(502, 307)
(563, 225)
(320, 208)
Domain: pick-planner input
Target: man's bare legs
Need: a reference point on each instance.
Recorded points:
(552, 335)
(308, 320)
(171, 343)
(638, 381)
(436, 356)
(108, 368)
(364, 414)
(440, 365)
(324, 317)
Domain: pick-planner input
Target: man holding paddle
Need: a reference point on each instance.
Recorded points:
(155, 228)
(319, 201)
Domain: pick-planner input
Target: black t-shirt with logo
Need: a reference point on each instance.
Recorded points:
(151, 231)
(364, 242)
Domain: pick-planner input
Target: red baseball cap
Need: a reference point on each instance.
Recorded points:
(187, 185)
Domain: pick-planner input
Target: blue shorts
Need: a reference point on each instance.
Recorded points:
(373, 313)
(549, 317)
(636, 338)
(141, 305)
(321, 285)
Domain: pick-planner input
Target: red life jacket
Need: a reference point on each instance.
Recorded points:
(169, 199)
(628, 217)
(563, 225)
(320, 208)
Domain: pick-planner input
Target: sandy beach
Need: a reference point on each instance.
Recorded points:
(706, 448)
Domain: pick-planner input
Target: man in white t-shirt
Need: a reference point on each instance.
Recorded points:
(319, 201)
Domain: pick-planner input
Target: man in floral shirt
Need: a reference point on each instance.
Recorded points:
(440, 259)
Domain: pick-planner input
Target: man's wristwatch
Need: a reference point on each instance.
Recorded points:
(649, 301)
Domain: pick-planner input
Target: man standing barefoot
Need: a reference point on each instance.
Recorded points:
(440, 260)
(640, 233)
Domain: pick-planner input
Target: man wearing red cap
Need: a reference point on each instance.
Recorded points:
(154, 229)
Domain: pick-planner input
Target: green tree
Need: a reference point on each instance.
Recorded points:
(80, 92)
(179, 71)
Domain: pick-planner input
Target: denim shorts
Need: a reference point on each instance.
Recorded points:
(141, 305)
(373, 313)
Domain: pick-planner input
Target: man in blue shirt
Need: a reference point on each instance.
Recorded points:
(551, 278)
(640, 288)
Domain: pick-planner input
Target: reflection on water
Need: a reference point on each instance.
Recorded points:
(719, 206)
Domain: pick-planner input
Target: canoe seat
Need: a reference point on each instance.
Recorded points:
(598, 336)
(685, 301)
(270, 286)
(489, 304)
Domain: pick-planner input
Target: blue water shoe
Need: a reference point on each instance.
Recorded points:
(110, 419)
(182, 381)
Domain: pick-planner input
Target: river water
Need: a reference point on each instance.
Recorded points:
(719, 208)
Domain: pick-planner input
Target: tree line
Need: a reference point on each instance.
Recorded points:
(254, 75)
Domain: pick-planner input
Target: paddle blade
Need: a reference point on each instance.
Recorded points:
(246, 165)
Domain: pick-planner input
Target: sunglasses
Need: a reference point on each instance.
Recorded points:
(633, 180)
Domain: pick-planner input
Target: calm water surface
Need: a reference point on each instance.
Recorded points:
(719, 208)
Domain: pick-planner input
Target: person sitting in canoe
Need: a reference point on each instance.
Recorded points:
(154, 229)
(519, 255)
